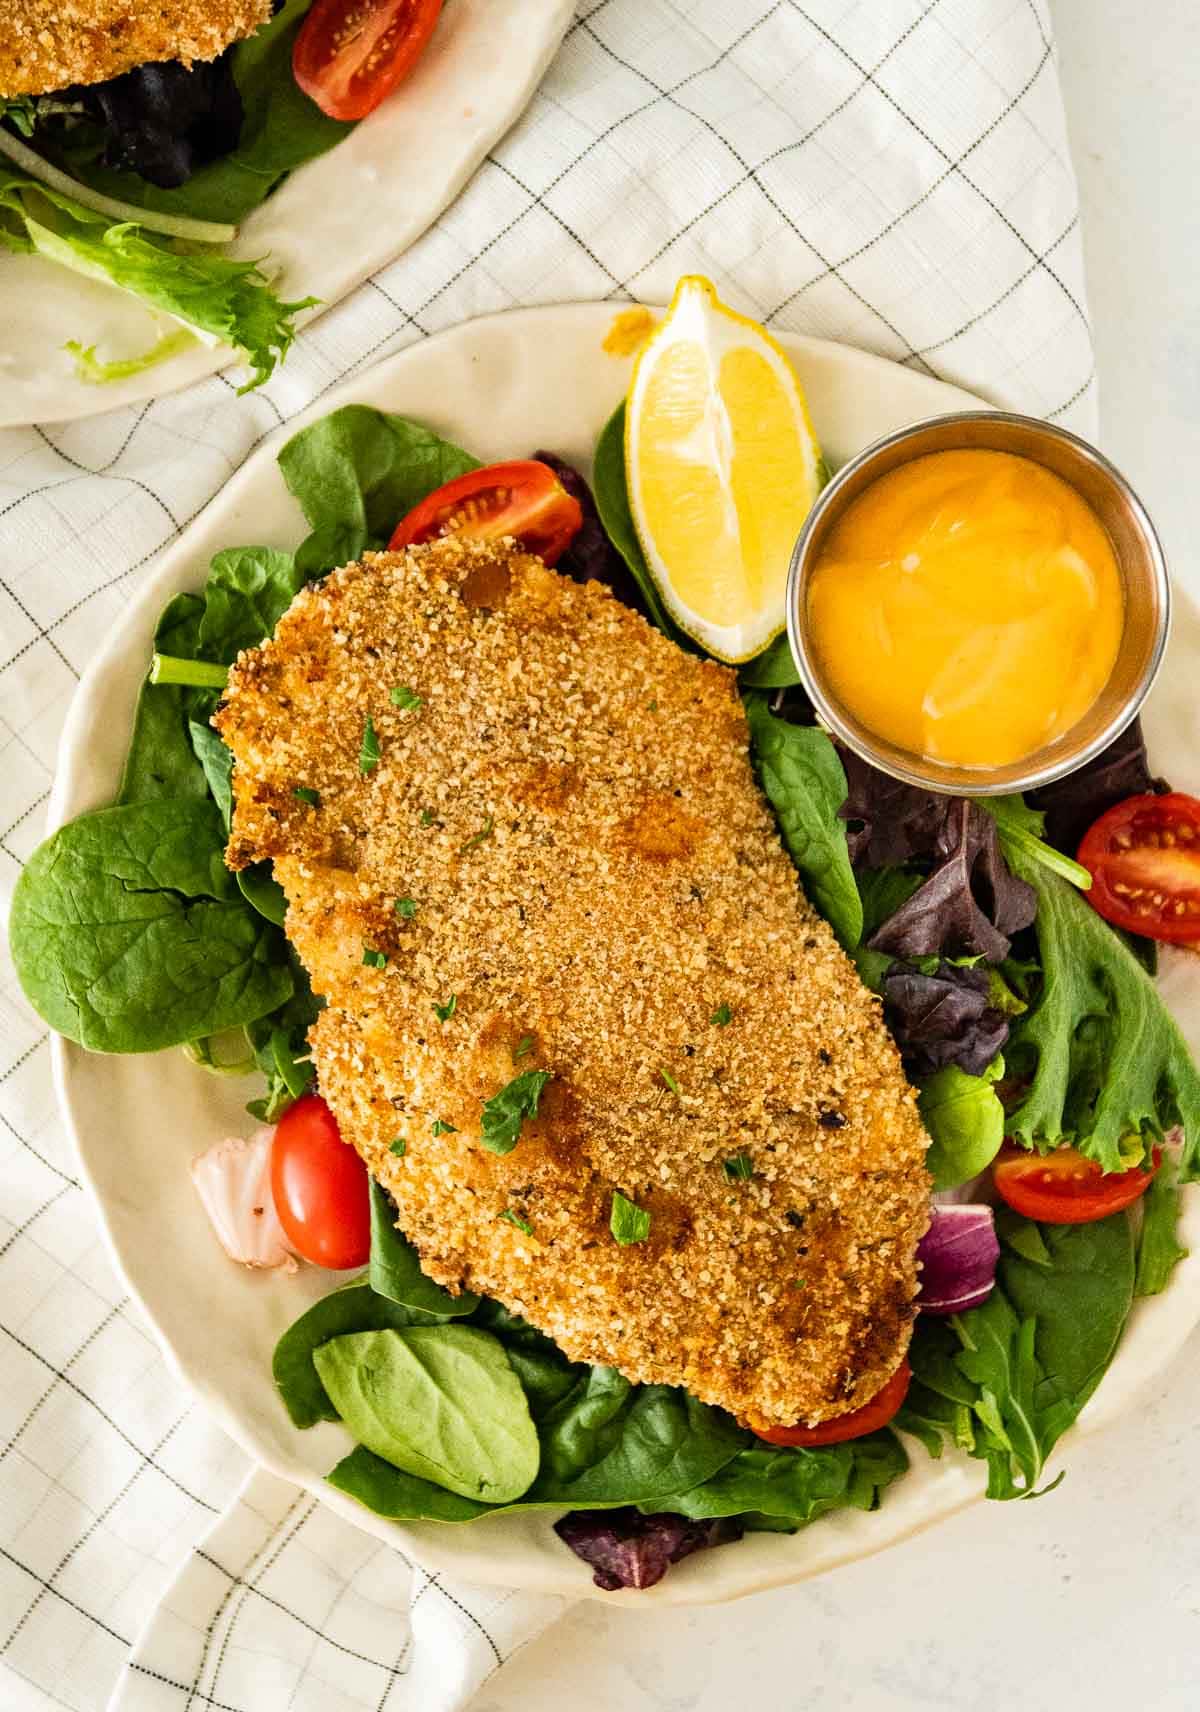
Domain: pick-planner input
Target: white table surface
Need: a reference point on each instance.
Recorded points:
(1091, 1597)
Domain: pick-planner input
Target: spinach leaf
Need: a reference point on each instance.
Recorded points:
(128, 935)
(356, 473)
(389, 1491)
(773, 669)
(797, 1486)
(217, 762)
(610, 1442)
(282, 129)
(612, 502)
(395, 1269)
(803, 778)
(263, 892)
(965, 1121)
(1030, 1357)
(606, 1443)
(161, 760)
(280, 1042)
(353, 1308)
(1102, 1055)
(247, 592)
(439, 1402)
(1159, 1248)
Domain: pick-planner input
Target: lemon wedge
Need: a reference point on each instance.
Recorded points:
(722, 467)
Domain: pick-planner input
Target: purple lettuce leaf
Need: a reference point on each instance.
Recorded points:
(889, 822)
(1070, 805)
(591, 557)
(971, 903)
(627, 1549)
(943, 1018)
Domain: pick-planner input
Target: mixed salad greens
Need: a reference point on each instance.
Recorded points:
(1019, 1012)
(140, 181)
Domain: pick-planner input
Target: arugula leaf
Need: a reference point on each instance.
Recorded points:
(1103, 1056)
(227, 299)
(1029, 1358)
(128, 934)
(1021, 830)
(395, 1267)
(804, 779)
(505, 1111)
(612, 502)
(965, 1120)
(356, 473)
(1159, 1249)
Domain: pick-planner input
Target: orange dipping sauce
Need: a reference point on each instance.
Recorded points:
(967, 607)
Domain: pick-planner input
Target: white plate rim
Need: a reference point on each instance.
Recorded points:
(930, 1492)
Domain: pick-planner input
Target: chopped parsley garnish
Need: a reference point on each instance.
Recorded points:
(374, 959)
(484, 832)
(368, 755)
(739, 1169)
(444, 1012)
(670, 1081)
(628, 1223)
(403, 696)
(312, 798)
(407, 907)
(437, 1127)
(524, 1045)
(426, 817)
(399, 1147)
(516, 1219)
(652, 706)
(722, 1016)
(797, 1283)
(505, 1112)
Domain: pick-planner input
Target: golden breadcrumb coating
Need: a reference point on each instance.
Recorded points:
(47, 44)
(593, 876)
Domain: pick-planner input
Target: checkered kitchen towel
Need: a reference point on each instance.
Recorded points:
(893, 173)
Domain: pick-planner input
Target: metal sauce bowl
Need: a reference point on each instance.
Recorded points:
(1139, 555)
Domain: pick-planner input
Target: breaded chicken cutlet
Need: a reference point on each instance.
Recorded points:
(47, 45)
(561, 844)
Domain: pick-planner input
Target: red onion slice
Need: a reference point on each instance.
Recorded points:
(958, 1256)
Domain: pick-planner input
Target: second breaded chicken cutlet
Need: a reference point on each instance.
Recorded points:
(519, 832)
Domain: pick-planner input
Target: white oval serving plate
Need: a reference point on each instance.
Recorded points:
(502, 386)
(332, 224)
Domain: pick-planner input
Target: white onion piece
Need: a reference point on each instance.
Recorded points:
(233, 1181)
(958, 1256)
(171, 225)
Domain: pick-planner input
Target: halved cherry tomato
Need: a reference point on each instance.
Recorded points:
(524, 499)
(873, 1415)
(1144, 859)
(320, 1187)
(350, 54)
(1064, 1188)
